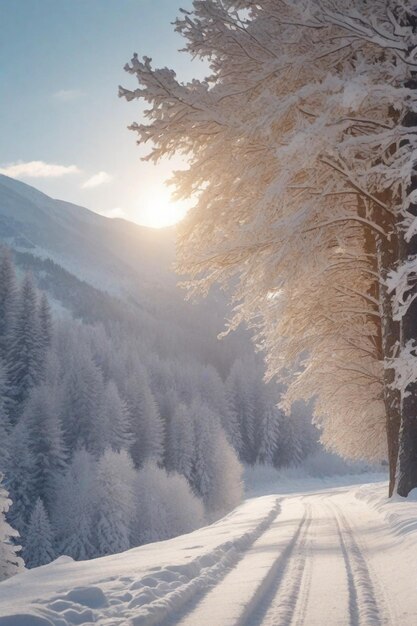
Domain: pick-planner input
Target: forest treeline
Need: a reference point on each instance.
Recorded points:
(108, 443)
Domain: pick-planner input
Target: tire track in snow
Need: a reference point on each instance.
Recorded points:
(160, 594)
(365, 603)
(291, 604)
(300, 613)
(323, 595)
(197, 579)
(276, 599)
(284, 597)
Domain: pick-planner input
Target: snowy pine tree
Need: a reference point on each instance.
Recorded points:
(145, 420)
(45, 329)
(115, 419)
(226, 490)
(82, 402)
(114, 514)
(38, 547)
(75, 507)
(216, 472)
(218, 397)
(10, 562)
(240, 395)
(180, 448)
(45, 437)
(289, 450)
(23, 357)
(4, 421)
(7, 300)
(166, 506)
(269, 435)
(20, 478)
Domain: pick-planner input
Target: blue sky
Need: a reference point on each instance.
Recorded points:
(61, 62)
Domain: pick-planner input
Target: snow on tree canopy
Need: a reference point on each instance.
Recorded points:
(301, 158)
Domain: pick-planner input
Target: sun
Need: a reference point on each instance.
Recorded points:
(158, 210)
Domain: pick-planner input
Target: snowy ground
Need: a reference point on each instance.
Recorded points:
(323, 554)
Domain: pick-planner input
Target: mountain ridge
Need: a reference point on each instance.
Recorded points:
(110, 253)
(112, 270)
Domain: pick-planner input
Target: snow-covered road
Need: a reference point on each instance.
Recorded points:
(325, 557)
(318, 562)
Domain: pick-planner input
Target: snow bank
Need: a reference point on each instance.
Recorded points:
(138, 587)
(399, 513)
(146, 585)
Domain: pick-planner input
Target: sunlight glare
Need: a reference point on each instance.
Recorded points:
(158, 210)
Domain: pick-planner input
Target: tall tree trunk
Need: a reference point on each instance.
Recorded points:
(391, 394)
(408, 434)
(385, 254)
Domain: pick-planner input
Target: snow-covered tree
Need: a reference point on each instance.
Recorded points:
(38, 549)
(23, 357)
(226, 490)
(216, 472)
(180, 442)
(10, 562)
(45, 329)
(7, 300)
(20, 477)
(241, 400)
(45, 438)
(289, 451)
(82, 402)
(4, 420)
(166, 506)
(75, 507)
(145, 421)
(115, 420)
(214, 394)
(300, 147)
(269, 435)
(115, 502)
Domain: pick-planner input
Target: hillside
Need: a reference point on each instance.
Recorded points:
(113, 399)
(115, 254)
(92, 266)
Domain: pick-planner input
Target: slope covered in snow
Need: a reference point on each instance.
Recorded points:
(325, 554)
(101, 269)
(115, 254)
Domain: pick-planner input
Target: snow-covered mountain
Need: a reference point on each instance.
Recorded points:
(114, 254)
(102, 269)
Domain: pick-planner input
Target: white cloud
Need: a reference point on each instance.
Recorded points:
(37, 169)
(98, 179)
(68, 95)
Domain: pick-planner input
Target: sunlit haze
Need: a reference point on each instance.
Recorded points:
(157, 208)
